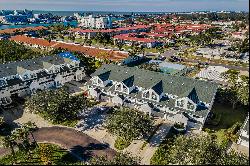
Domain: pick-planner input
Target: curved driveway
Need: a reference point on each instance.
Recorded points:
(75, 141)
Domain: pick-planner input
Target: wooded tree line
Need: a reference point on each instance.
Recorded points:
(237, 92)
(196, 150)
(12, 51)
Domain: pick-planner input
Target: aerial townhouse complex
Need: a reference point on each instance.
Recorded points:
(18, 79)
(175, 98)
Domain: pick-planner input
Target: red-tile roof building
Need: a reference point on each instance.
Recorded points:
(130, 39)
(88, 51)
(28, 29)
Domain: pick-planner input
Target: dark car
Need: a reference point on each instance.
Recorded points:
(175, 59)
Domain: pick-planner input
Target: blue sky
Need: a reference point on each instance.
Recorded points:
(127, 5)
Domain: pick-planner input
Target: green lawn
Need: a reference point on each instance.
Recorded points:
(59, 157)
(228, 116)
(71, 123)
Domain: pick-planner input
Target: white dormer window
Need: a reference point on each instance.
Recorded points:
(99, 81)
(25, 76)
(2, 83)
(57, 69)
(95, 81)
(146, 94)
(33, 75)
(180, 103)
(125, 89)
(190, 105)
(154, 96)
(118, 87)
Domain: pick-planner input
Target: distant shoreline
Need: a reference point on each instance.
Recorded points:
(73, 23)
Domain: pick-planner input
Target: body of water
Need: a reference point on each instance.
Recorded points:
(117, 16)
(70, 13)
(73, 23)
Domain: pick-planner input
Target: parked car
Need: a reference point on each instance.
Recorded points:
(175, 59)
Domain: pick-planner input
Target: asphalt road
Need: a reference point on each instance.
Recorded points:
(75, 141)
(78, 143)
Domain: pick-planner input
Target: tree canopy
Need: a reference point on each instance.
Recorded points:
(128, 123)
(238, 90)
(57, 105)
(197, 150)
(12, 51)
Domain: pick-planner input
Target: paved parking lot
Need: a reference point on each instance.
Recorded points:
(76, 142)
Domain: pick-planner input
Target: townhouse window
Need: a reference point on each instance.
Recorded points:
(180, 103)
(154, 97)
(125, 89)
(2, 83)
(118, 87)
(99, 81)
(95, 81)
(146, 94)
(190, 106)
(26, 76)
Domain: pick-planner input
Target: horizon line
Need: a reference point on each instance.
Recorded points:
(247, 11)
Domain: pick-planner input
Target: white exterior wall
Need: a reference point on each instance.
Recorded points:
(243, 142)
(151, 92)
(40, 83)
(93, 22)
(117, 100)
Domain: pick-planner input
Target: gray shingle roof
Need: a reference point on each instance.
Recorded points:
(175, 85)
(14, 68)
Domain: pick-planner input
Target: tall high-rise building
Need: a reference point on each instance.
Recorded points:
(94, 22)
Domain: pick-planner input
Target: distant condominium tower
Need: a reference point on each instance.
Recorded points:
(94, 22)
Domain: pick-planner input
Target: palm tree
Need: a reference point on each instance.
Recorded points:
(31, 127)
(22, 135)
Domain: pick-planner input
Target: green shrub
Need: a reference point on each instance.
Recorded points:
(231, 133)
(122, 143)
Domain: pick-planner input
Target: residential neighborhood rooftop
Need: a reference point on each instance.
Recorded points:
(177, 85)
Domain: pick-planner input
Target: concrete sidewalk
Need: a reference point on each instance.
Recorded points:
(154, 143)
(135, 148)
